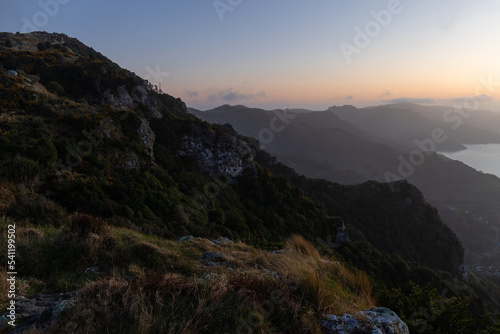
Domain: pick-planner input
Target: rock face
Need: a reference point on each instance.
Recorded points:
(147, 137)
(140, 95)
(379, 320)
(217, 154)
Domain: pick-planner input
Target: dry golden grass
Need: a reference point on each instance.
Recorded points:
(156, 304)
(302, 246)
(326, 284)
(160, 286)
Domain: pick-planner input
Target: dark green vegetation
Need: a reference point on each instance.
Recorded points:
(99, 170)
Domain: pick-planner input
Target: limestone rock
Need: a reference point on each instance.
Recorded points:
(217, 154)
(213, 256)
(131, 162)
(39, 311)
(147, 136)
(379, 320)
(186, 238)
(223, 241)
(139, 95)
(213, 259)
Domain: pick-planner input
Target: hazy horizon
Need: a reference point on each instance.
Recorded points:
(299, 107)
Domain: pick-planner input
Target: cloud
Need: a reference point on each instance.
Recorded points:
(343, 98)
(387, 93)
(424, 100)
(230, 95)
(482, 97)
(429, 100)
(191, 93)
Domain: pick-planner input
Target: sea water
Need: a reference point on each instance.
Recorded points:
(483, 157)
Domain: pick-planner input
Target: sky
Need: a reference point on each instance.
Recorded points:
(288, 53)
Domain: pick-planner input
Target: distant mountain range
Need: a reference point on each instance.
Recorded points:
(350, 145)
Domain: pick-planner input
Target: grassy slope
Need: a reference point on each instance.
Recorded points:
(147, 284)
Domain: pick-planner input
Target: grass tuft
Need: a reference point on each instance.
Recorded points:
(83, 224)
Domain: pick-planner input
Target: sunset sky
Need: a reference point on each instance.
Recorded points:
(287, 54)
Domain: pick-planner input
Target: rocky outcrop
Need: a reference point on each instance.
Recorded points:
(217, 154)
(339, 230)
(131, 161)
(185, 238)
(38, 312)
(210, 259)
(147, 137)
(140, 95)
(379, 320)
(223, 241)
(122, 100)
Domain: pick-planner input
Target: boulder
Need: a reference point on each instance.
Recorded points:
(223, 241)
(213, 256)
(213, 259)
(379, 320)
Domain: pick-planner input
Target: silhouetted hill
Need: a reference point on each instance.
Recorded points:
(482, 119)
(404, 125)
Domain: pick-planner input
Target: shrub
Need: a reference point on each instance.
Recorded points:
(43, 46)
(425, 310)
(83, 224)
(55, 88)
(22, 170)
(44, 109)
(146, 255)
(45, 152)
(37, 209)
(5, 144)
